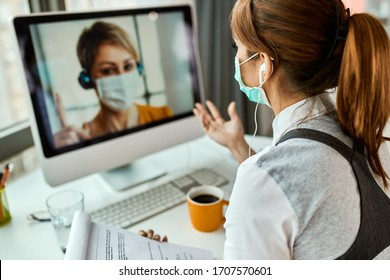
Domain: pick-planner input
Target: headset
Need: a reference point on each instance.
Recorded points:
(86, 81)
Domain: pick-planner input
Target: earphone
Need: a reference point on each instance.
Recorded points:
(86, 82)
(263, 69)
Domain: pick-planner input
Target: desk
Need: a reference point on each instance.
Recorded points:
(22, 239)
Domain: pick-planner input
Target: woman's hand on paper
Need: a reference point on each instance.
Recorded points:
(151, 235)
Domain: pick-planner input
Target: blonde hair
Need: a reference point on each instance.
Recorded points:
(101, 32)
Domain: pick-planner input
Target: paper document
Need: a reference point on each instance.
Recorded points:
(92, 241)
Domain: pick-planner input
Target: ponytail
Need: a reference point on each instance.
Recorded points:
(363, 98)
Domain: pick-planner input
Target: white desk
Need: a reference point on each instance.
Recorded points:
(22, 239)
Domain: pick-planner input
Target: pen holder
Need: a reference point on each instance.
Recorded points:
(5, 215)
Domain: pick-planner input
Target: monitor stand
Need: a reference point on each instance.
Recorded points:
(131, 175)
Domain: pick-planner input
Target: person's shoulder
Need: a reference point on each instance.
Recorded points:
(305, 165)
(297, 152)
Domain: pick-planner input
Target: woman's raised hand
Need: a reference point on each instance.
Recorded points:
(68, 135)
(227, 133)
(223, 132)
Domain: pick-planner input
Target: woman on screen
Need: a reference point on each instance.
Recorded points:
(111, 66)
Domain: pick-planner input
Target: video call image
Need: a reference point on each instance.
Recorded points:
(102, 76)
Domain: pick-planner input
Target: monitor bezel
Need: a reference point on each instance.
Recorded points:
(179, 129)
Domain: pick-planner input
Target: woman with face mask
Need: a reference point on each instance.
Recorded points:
(321, 190)
(111, 66)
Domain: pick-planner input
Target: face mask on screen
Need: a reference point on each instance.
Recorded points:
(118, 92)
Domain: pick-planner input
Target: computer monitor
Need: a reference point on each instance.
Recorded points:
(109, 87)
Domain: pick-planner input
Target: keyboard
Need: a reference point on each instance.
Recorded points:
(139, 207)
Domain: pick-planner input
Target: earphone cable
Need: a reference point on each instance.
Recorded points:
(254, 134)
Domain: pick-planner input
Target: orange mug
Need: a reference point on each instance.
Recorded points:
(205, 205)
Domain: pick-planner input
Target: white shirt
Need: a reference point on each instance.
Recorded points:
(299, 201)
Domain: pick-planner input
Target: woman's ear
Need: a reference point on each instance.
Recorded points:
(266, 68)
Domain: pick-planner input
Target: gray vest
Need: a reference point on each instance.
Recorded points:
(374, 231)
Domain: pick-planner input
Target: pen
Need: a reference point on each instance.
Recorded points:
(7, 171)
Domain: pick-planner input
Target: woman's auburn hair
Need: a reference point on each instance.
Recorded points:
(299, 35)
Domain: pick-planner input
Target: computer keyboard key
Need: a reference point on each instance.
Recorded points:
(184, 182)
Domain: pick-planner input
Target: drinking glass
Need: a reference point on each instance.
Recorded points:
(61, 207)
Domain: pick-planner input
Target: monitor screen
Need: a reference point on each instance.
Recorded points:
(108, 87)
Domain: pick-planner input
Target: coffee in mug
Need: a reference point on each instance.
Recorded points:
(205, 205)
(205, 198)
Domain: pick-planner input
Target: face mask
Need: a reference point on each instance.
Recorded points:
(118, 92)
(255, 94)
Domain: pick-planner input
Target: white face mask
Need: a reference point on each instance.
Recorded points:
(118, 92)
